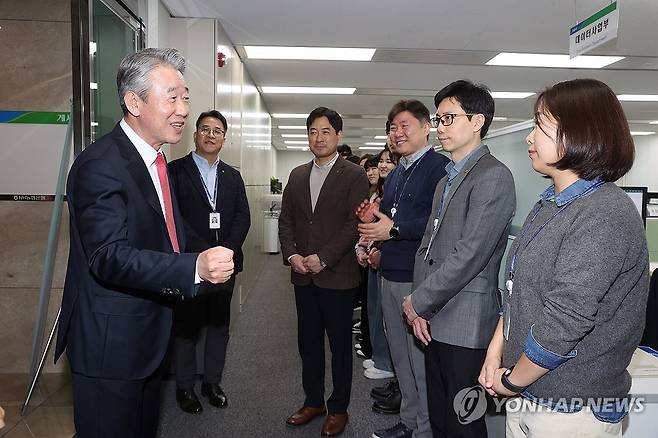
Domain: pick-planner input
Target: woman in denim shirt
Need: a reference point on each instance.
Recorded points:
(576, 276)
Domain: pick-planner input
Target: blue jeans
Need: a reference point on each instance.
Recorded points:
(381, 356)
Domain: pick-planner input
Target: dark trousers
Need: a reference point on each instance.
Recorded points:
(108, 408)
(448, 370)
(322, 310)
(212, 311)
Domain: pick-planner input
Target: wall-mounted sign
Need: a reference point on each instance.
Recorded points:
(35, 117)
(26, 197)
(594, 31)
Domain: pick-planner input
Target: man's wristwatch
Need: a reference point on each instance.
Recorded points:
(504, 379)
(394, 232)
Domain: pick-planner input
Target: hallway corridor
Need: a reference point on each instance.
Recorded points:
(263, 375)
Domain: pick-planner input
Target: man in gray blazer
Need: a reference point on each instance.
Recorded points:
(317, 229)
(457, 263)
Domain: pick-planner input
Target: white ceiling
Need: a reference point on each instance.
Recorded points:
(425, 44)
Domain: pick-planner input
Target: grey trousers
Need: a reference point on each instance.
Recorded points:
(408, 359)
(380, 354)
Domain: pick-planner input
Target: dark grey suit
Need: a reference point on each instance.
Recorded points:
(456, 278)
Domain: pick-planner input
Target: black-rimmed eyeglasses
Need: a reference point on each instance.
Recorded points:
(446, 119)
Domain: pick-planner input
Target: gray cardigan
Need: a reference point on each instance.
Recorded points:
(582, 285)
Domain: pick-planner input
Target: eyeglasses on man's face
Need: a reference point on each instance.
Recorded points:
(446, 119)
(205, 131)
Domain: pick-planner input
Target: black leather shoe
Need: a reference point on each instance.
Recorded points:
(382, 392)
(188, 401)
(215, 395)
(390, 405)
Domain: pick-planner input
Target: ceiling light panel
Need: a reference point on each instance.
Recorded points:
(289, 116)
(307, 90)
(638, 97)
(551, 60)
(295, 142)
(292, 127)
(294, 135)
(511, 94)
(641, 133)
(309, 53)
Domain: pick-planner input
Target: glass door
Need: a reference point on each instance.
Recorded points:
(115, 32)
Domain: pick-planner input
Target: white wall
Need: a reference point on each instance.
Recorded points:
(195, 40)
(230, 90)
(645, 168)
(286, 161)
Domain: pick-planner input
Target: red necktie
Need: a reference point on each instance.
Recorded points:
(161, 165)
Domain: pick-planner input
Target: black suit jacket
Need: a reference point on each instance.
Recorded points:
(232, 206)
(122, 274)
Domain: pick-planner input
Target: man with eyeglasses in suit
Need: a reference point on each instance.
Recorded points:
(453, 307)
(214, 206)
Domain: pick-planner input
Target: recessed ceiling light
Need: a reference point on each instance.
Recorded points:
(256, 115)
(295, 142)
(292, 127)
(642, 132)
(307, 90)
(374, 143)
(638, 97)
(511, 94)
(289, 116)
(655, 122)
(301, 148)
(294, 135)
(370, 148)
(551, 60)
(268, 127)
(257, 134)
(309, 53)
(381, 137)
(499, 119)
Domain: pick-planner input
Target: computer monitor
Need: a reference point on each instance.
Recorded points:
(639, 196)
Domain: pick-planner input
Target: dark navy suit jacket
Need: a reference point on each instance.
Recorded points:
(232, 206)
(122, 275)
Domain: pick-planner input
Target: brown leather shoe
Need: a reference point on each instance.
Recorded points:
(304, 415)
(334, 424)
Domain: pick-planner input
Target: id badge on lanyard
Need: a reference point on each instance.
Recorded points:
(214, 221)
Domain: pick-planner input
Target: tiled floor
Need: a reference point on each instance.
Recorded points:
(51, 408)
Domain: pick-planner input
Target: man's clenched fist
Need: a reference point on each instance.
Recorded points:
(216, 264)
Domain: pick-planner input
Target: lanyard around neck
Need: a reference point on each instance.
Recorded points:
(396, 199)
(211, 197)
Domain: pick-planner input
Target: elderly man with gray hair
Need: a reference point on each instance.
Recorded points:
(127, 264)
